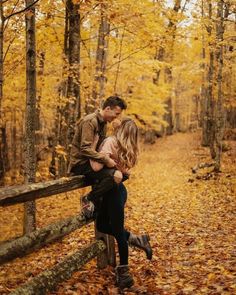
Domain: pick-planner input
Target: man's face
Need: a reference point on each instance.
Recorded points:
(110, 114)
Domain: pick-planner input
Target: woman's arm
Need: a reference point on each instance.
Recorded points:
(96, 166)
(108, 149)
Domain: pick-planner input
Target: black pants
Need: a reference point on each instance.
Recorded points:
(102, 181)
(110, 219)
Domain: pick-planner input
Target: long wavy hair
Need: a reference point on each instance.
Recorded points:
(127, 141)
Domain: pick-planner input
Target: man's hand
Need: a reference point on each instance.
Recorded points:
(110, 163)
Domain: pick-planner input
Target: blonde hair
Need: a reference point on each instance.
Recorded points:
(127, 141)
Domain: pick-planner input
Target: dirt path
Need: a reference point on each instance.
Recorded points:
(192, 224)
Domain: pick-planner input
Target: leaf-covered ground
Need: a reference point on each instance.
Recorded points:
(191, 221)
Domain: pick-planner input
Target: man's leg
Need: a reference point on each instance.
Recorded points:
(103, 182)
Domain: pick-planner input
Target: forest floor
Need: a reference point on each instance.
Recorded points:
(191, 220)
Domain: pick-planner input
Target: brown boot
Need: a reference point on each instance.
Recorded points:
(123, 277)
(141, 242)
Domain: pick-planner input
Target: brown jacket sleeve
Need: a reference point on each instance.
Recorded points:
(88, 133)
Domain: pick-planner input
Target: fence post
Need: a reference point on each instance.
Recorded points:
(108, 256)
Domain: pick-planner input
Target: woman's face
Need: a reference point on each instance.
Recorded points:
(116, 123)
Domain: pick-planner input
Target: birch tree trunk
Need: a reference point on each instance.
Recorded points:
(98, 90)
(30, 158)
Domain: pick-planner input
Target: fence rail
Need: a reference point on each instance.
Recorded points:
(29, 192)
(28, 243)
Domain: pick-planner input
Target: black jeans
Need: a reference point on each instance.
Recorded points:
(102, 181)
(110, 219)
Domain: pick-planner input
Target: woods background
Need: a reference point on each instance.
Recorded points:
(172, 61)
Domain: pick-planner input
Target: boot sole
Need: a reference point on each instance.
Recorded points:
(128, 285)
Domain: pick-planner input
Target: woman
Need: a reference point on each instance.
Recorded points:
(123, 148)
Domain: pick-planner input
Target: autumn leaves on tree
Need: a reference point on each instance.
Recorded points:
(172, 61)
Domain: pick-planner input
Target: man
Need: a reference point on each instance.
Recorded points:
(90, 130)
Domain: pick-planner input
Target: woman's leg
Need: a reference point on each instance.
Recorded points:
(110, 217)
(110, 220)
(116, 209)
(116, 217)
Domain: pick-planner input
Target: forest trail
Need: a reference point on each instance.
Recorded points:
(192, 224)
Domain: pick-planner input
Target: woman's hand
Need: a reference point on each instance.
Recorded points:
(110, 163)
(118, 176)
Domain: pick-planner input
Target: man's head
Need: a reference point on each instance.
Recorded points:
(112, 108)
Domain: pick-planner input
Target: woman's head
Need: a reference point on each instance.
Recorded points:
(127, 138)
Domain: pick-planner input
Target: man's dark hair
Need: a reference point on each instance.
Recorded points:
(114, 101)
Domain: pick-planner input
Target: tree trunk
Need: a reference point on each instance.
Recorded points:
(208, 101)
(101, 60)
(53, 168)
(167, 56)
(49, 279)
(30, 158)
(73, 82)
(203, 82)
(38, 125)
(71, 88)
(13, 140)
(158, 56)
(210, 105)
(2, 169)
(220, 117)
(1, 54)
(119, 59)
(168, 116)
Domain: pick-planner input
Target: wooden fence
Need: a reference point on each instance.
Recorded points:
(103, 248)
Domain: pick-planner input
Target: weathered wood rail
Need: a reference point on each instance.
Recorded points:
(49, 279)
(29, 192)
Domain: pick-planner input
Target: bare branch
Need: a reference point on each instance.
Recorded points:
(8, 47)
(7, 73)
(15, 5)
(22, 10)
(83, 43)
(128, 56)
(185, 3)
